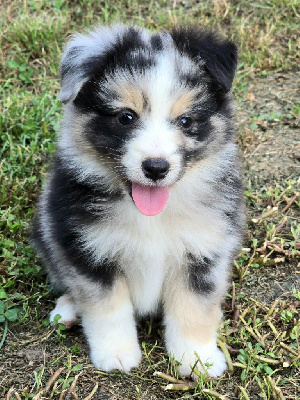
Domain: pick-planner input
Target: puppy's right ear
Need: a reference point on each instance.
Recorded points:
(219, 55)
(80, 56)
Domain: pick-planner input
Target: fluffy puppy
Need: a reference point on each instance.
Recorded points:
(142, 206)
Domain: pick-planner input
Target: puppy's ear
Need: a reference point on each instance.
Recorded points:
(218, 54)
(81, 55)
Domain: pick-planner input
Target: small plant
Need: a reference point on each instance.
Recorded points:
(60, 328)
(24, 73)
(296, 293)
(295, 334)
(286, 316)
(8, 314)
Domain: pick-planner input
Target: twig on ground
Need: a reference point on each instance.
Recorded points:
(274, 330)
(71, 390)
(50, 382)
(62, 394)
(295, 359)
(256, 335)
(233, 350)
(214, 394)
(226, 306)
(9, 393)
(268, 360)
(275, 247)
(53, 389)
(236, 313)
(181, 386)
(272, 308)
(223, 347)
(288, 348)
(264, 215)
(204, 368)
(53, 378)
(296, 195)
(92, 393)
(244, 393)
(39, 338)
(244, 366)
(233, 296)
(279, 226)
(294, 115)
(277, 393)
(166, 377)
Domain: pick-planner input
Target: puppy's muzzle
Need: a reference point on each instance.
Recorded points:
(155, 168)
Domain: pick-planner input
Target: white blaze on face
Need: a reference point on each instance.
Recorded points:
(158, 137)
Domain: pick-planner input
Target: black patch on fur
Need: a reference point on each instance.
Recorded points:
(156, 42)
(229, 185)
(191, 79)
(44, 252)
(74, 205)
(201, 111)
(199, 272)
(232, 218)
(200, 129)
(118, 54)
(231, 189)
(88, 99)
(218, 53)
(36, 237)
(103, 129)
(189, 156)
(129, 53)
(108, 136)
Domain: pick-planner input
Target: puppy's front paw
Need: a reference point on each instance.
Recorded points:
(66, 308)
(123, 360)
(212, 359)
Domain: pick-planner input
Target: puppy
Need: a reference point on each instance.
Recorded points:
(142, 207)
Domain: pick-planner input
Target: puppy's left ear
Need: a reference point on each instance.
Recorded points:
(75, 65)
(81, 54)
(218, 54)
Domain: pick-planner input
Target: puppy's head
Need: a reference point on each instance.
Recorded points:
(155, 105)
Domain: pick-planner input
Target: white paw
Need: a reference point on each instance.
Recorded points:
(122, 360)
(111, 333)
(212, 359)
(66, 308)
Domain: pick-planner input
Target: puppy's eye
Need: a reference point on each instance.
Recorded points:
(186, 122)
(127, 118)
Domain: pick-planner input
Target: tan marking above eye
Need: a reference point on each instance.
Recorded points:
(182, 104)
(132, 99)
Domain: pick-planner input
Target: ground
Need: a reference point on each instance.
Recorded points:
(272, 155)
(260, 330)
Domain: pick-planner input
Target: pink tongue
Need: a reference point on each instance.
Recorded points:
(150, 200)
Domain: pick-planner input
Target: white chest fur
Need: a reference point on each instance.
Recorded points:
(147, 247)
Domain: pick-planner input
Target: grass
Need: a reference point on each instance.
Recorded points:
(259, 335)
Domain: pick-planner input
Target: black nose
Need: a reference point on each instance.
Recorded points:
(155, 168)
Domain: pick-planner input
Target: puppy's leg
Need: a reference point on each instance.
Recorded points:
(66, 308)
(110, 329)
(191, 321)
